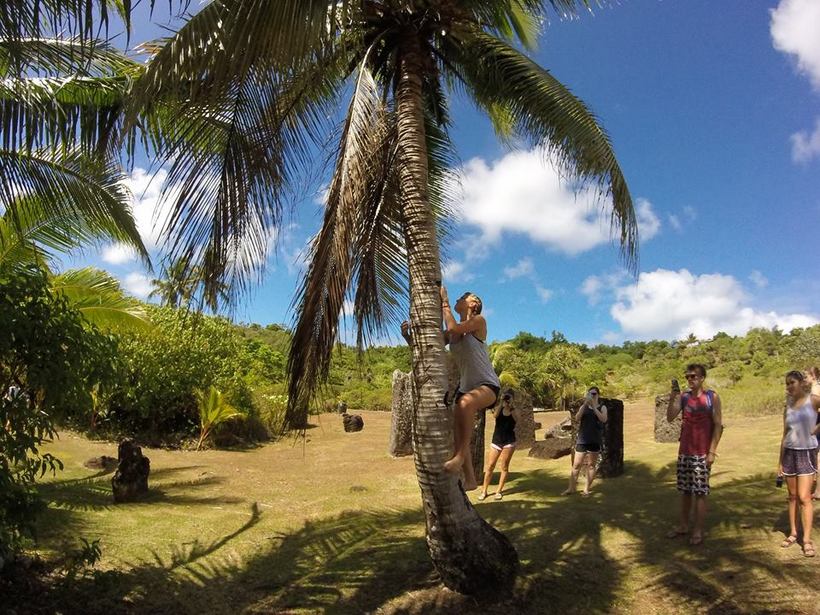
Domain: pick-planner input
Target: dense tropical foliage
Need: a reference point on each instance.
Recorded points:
(50, 358)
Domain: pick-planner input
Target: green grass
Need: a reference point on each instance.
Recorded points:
(333, 525)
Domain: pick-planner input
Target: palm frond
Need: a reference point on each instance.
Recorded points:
(20, 19)
(509, 19)
(98, 296)
(67, 92)
(60, 56)
(321, 298)
(47, 196)
(230, 165)
(226, 41)
(545, 112)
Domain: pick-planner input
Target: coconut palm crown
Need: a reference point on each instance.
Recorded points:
(250, 89)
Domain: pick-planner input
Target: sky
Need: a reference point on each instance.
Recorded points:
(714, 113)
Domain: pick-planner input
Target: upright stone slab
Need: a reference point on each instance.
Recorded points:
(611, 461)
(130, 481)
(664, 430)
(401, 427)
(525, 423)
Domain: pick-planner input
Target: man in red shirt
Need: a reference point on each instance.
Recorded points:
(701, 429)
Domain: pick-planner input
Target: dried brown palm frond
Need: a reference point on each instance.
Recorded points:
(357, 188)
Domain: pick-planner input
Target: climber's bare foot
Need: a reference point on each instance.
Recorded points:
(469, 486)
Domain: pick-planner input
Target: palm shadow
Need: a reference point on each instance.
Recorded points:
(365, 561)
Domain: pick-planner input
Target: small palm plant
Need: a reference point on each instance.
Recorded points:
(213, 411)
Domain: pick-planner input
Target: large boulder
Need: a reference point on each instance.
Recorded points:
(560, 430)
(551, 448)
(352, 422)
(130, 481)
(664, 430)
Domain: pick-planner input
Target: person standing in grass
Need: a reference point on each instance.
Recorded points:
(590, 416)
(478, 385)
(701, 429)
(798, 456)
(503, 444)
(813, 379)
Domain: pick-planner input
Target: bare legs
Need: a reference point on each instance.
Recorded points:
(580, 458)
(466, 407)
(816, 495)
(505, 455)
(800, 494)
(592, 469)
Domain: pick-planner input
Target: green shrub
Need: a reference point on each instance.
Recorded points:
(49, 360)
(163, 366)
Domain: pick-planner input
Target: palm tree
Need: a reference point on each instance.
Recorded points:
(250, 85)
(176, 286)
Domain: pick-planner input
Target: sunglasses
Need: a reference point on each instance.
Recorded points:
(691, 376)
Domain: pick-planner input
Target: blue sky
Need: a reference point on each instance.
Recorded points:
(714, 113)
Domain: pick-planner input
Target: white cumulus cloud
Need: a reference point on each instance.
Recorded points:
(522, 193)
(758, 279)
(118, 254)
(150, 212)
(455, 271)
(522, 268)
(805, 145)
(665, 304)
(795, 30)
(544, 294)
(137, 284)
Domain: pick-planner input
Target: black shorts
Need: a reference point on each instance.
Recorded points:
(495, 389)
(587, 448)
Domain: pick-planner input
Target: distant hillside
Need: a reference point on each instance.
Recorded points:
(747, 370)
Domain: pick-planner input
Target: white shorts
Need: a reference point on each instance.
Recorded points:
(501, 448)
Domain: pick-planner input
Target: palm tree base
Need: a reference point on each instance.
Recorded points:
(474, 559)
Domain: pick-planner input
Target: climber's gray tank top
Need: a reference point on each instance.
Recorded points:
(473, 362)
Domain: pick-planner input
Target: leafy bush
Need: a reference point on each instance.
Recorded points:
(163, 366)
(49, 360)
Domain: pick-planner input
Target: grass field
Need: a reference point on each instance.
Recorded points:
(333, 525)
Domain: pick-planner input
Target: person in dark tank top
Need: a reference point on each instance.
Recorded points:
(590, 416)
(503, 444)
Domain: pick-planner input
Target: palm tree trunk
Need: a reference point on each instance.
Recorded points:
(470, 555)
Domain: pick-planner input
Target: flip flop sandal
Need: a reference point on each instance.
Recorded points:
(808, 549)
(498, 496)
(788, 542)
(696, 540)
(482, 496)
(676, 532)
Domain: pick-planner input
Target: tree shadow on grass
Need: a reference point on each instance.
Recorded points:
(606, 553)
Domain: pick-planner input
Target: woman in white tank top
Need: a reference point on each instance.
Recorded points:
(813, 379)
(798, 455)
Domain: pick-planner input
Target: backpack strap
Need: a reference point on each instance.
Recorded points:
(710, 398)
